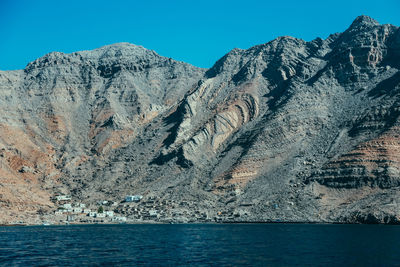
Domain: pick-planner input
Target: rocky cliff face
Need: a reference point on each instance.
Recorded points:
(288, 130)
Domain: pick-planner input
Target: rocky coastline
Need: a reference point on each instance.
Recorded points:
(286, 131)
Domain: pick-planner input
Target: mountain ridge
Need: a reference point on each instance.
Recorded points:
(288, 130)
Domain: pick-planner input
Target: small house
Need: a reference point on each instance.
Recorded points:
(67, 206)
(92, 214)
(100, 215)
(63, 197)
(119, 219)
(109, 213)
(86, 211)
(133, 198)
(153, 213)
(77, 210)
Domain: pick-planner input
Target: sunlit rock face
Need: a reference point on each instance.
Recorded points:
(288, 130)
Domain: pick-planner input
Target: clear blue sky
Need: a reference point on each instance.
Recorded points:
(197, 32)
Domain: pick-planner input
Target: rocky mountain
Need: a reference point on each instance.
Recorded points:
(284, 131)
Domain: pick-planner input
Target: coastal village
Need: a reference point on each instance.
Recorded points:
(70, 211)
(133, 209)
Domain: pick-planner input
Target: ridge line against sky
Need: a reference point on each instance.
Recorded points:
(198, 33)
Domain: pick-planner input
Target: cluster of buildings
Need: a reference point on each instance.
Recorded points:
(70, 208)
(152, 208)
(74, 210)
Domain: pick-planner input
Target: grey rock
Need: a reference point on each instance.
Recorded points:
(288, 130)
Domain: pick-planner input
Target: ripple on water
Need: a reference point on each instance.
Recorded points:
(253, 244)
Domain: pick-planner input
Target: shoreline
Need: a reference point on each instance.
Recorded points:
(194, 223)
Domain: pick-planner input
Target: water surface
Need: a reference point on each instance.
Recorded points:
(201, 244)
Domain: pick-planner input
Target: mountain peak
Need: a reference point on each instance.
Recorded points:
(364, 20)
(120, 46)
(118, 50)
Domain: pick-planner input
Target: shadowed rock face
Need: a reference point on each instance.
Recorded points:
(288, 130)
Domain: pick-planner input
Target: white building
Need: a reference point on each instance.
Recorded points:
(77, 210)
(87, 211)
(59, 212)
(109, 213)
(63, 197)
(133, 198)
(153, 213)
(92, 214)
(119, 219)
(100, 215)
(81, 205)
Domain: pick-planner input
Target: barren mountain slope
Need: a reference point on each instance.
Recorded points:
(65, 110)
(288, 130)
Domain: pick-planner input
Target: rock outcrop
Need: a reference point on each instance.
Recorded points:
(288, 130)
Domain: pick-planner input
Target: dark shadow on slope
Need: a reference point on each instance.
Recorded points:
(108, 123)
(162, 159)
(180, 159)
(107, 71)
(386, 87)
(313, 79)
(217, 68)
(278, 95)
(175, 118)
(390, 119)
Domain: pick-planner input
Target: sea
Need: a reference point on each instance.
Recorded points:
(201, 245)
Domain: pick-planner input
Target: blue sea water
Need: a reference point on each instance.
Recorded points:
(201, 245)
